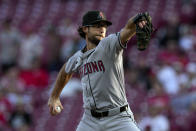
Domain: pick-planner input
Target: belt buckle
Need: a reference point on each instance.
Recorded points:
(126, 108)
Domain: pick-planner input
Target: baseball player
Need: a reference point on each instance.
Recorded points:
(100, 65)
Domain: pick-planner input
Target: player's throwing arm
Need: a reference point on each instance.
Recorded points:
(54, 103)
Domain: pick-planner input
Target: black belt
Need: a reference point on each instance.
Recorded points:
(106, 113)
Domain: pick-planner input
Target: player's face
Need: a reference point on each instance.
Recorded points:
(96, 32)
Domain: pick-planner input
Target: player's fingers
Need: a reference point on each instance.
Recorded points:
(54, 111)
(143, 23)
(140, 25)
(61, 106)
(51, 110)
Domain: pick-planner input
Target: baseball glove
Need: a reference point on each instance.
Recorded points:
(143, 35)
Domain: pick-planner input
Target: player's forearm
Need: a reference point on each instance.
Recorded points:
(128, 31)
(61, 81)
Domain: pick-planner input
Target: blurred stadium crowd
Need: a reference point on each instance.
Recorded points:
(38, 36)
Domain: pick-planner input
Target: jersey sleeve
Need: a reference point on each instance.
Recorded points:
(73, 63)
(112, 44)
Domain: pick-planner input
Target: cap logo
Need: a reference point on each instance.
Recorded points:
(101, 15)
(94, 17)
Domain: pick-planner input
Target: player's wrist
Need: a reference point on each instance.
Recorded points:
(54, 96)
(131, 25)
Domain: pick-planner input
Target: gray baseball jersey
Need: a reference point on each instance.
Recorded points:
(102, 74)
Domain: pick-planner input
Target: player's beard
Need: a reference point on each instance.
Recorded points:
(94, 40)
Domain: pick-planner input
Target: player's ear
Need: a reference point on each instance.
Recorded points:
(85, 29)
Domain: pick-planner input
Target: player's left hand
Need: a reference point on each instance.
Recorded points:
(53, 103)
(144, 29)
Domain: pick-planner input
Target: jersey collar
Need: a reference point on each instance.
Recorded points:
(87, 53)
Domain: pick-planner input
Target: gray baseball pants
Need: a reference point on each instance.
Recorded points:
(123, 121)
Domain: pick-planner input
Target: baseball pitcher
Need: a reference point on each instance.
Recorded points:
(100, 65)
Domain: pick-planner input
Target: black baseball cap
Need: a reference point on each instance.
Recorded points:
(93, 17)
